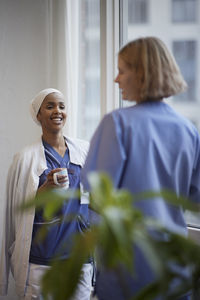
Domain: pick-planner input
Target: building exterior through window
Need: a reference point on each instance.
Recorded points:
(177, 23)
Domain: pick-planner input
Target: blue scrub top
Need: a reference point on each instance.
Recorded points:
(58, 241)
(146, 147)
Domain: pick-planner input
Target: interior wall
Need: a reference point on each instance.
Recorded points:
(23, 72)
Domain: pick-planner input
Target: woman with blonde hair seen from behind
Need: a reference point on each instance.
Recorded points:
(153, 147)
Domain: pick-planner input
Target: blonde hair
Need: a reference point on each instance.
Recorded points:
(156, 69)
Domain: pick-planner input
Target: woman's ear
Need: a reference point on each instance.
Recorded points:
(39, 116)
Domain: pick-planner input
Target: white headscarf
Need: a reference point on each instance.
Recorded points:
(37, 102)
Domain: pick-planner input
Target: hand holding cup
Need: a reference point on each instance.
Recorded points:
(61, 178)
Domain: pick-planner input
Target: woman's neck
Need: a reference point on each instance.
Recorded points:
(57, 141)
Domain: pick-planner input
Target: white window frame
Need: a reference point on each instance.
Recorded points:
(109, 35)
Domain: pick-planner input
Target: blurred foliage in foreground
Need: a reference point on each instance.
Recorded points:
(120, 226)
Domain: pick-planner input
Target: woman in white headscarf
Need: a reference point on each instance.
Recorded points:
(31, 171)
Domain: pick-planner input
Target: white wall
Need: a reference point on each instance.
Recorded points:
(23, 72)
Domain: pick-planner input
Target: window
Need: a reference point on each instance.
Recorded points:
(89, 95)
(172, 25)
(185, 53)
(92, 13)
(183, 40)
(138, 11)
(184, 11)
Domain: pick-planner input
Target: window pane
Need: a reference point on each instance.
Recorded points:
(186, 57)
(184, 10)
(89, 97)
(183, 40)
(138, 11)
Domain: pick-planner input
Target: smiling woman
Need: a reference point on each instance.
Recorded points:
(52, 117)
(31, 172)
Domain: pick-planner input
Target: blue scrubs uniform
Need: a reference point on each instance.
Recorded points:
(58, 241)
(146, 147)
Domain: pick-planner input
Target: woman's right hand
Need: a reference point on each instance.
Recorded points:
(49, 182)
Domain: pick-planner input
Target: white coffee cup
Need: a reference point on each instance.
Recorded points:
(56, 176)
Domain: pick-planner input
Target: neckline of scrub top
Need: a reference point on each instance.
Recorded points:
(55, 155)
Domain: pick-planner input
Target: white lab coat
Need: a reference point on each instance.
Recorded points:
(22, 184)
